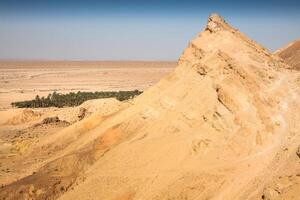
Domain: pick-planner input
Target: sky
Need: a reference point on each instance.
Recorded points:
(133, 30)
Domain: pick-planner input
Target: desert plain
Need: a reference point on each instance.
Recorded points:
(222, 125)
(23, 80)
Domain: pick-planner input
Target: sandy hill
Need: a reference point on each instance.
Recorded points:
(223, 125)
(291, 54)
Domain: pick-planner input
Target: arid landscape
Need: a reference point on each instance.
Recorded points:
(221, 123)
(24, 80)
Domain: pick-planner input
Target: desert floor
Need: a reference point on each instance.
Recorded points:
(24, 80)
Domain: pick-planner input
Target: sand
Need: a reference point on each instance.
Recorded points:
(223, 125)
(24, 80)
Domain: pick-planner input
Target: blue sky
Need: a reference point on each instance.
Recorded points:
(133, 30)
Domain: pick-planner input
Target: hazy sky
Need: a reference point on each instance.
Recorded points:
(133, 30)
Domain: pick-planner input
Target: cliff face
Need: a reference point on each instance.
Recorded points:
(221, 126)
(291, 54)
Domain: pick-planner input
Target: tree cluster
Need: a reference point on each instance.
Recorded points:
(73, 99)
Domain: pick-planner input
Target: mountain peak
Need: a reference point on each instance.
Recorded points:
(216, 17)
(220, 38)
(215, 23)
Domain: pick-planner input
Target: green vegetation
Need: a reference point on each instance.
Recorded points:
(73, 99)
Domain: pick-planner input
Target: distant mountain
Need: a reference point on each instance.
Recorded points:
(291, 54)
